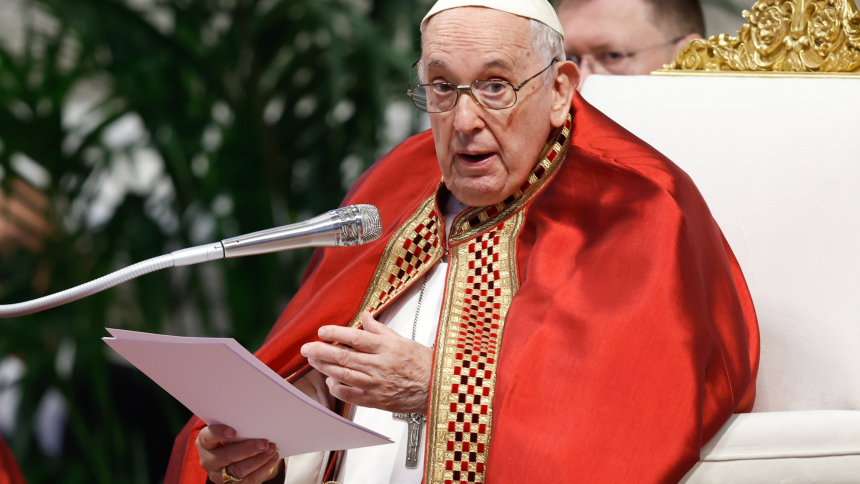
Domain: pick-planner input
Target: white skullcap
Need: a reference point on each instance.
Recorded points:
(539, 10)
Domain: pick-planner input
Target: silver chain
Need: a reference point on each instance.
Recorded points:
(418, 310)
(415, 421)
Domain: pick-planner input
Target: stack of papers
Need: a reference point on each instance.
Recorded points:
(223, 383)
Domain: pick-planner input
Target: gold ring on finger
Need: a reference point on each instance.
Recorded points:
(227, 477)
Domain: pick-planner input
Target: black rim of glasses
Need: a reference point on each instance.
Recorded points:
(459, 89)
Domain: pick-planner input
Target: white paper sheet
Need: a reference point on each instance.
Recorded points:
(223, 383)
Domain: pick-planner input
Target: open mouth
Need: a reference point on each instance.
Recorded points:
(476, 157)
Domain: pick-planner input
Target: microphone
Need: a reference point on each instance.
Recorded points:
(344, 227)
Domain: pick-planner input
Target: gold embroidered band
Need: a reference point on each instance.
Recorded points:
(482, 273)
(413, 250)
(482, 281)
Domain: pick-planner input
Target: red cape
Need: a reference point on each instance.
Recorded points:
(9, 471)
(631, 339)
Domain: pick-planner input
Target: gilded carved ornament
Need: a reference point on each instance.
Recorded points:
(781, 36)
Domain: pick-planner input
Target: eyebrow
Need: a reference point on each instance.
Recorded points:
(498, 64)
(436, 63)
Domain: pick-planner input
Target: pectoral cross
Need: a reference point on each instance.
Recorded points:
(416, 422)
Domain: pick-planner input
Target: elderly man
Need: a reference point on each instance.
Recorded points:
(550, 300)
(627, 37)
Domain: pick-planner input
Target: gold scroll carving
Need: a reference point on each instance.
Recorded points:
(781, 36)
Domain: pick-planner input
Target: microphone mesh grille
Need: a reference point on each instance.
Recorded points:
(371, 224)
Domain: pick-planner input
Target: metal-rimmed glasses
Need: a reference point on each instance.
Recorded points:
(440, 97)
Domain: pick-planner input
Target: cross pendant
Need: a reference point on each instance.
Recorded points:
(416, 423)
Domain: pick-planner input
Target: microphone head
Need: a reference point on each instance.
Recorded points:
(360, 224)
(343, 227)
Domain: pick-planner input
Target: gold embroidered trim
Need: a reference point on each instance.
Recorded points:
(481, 284)
(819, 38)
(414, 249)
(476, 220)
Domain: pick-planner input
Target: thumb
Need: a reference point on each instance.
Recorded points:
(373, 326)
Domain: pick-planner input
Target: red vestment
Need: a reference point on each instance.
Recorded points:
(9, 471)
(631, 337)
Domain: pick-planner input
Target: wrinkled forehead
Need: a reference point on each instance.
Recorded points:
(479, 36)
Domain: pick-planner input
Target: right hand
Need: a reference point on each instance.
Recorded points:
(254, 461)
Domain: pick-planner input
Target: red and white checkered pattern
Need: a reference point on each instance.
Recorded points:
(410, 259)
(474, 363)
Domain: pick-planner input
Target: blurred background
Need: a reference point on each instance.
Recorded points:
(132, 128)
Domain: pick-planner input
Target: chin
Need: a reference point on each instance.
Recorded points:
(477, 196)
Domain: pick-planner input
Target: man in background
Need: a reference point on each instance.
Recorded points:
(627, 37)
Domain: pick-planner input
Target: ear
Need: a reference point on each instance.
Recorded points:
(564, 87)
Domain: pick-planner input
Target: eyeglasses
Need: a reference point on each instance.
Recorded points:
(440, 97)
(615, 62)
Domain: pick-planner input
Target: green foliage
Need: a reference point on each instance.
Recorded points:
(243, 114)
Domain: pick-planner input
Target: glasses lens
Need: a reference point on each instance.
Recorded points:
(419, 97)
(441, 97)
(494, 94)
(435, 98)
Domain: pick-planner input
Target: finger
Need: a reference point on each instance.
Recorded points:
(355, 396)
(375, 327)
(237, 452)
(214, 435)
(346, 375)
(263, 473)
(355, 338)
(337, 355)
(248, 466)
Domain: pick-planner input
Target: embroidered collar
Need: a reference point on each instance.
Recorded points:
(477, 220)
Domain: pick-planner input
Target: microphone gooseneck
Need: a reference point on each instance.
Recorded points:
(343, 227)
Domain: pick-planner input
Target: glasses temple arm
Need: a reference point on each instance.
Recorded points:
(522, 84)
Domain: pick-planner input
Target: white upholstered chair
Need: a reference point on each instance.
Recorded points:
(778, 161)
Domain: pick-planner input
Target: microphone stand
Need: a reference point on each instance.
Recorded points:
(343, 227)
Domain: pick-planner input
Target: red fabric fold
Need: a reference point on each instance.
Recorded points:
(632, 337)
(9, 471)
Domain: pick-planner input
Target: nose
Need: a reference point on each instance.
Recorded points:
(467, 113)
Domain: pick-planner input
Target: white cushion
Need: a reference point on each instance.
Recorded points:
(774, 435)
(778, 161)
(818, 470)
(786, 447)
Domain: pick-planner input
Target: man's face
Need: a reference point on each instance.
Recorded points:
(485, 155)
(604, 34)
